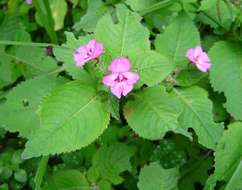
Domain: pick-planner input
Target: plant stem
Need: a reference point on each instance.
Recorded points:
(33, 44)
(156, 7)
(40, 172)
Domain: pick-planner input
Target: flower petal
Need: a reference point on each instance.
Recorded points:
(95, 49)
(190, 55)
(204, 67)
(131, 77)
(109, 80)
(119, 64)
(126, 88)
(117, 90)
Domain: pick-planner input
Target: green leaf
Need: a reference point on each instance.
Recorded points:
(35, 59)
(225, 75)
(207, 4)
(72, 117)
(228, 156)
(96, 9)
(58, 10)
(20, 176)
(178, 37)
(195, 171)
(197, 114)
(154, 177)
(126, 38)
(153, 112)
(22, 103)
(65, 54)
(9, 71)
(152, 67)
(110, 161)
(67, 179)
(139, 5)
(44, 17)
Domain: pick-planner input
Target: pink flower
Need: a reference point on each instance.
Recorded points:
(28, 2)
(121, 80)
(198, 57)
(88, 52)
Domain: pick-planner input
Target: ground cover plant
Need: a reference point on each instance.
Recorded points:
(121, 94)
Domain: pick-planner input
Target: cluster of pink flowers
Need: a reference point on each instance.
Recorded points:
(121, 80)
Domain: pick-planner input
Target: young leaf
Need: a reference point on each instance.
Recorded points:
(178, 37)
(58, 10)
(18, 113)
(228, 156)
(225, 75)
(155, 177)
(197, 114)
(110, 161)
(152, 67)
(126, 38)
(153, 112)
(72, 117)
(96, 9)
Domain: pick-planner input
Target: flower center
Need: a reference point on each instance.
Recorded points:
(120, 78)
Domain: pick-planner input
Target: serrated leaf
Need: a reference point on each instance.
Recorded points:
(35, 59)
(72, 117)
(197, 114)
(96, 9)
(155, 177)
(126, 38)
(228, 156)
(153, 113)
(58, 10)
(18, 113)
(110, 161)
(178, 37)
(65, 55)
(152, 67)
(67, 179)
(225, 75)
(139, 5)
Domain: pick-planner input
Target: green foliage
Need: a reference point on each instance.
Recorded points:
(152, 67)
(62, 122)
(67, 179)
(226, 75)
(179, 36)
(58, 10)
(96, 9)
(109, 161)
(197, 114)
(153, 113)
(167, 133)
(126, 38)
(44, 18)
(155, 177)
(228, 159)
(22, 103)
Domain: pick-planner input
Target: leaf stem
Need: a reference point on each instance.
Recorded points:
(40, 172)
(156, 7)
